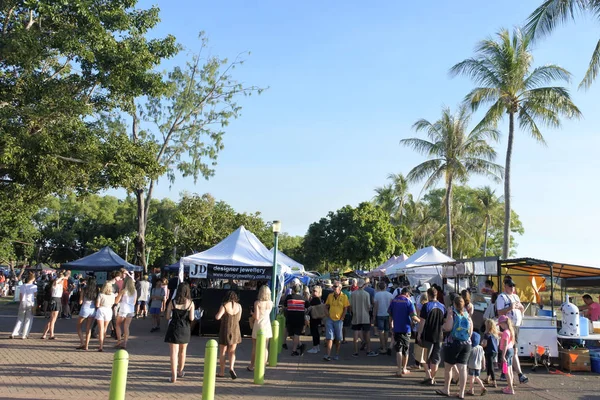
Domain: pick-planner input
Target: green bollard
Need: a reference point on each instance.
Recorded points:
(281, 333)
(118, 379)
(259, 358)
(210, 370)
(273, 351)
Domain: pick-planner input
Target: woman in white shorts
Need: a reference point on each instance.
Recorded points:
(104, 303)
(126, 300)
(87, 296)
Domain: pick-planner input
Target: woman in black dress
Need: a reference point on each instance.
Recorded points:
(180, 312)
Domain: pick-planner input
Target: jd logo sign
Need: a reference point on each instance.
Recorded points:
(198, 271)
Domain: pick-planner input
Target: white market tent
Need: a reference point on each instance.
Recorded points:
(380, 270)
(295, 266)
(428, 256)
(240, 249)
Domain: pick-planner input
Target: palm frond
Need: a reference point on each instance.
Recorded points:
(482, 95)
(593, 68)
(546, 74)
(425, 169)
(527, 123)
(420, 146)
(551, 14)
(480, 71)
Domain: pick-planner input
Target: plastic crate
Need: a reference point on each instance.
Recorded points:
(595, 362)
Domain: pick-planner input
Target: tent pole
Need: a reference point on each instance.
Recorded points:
(552, 287)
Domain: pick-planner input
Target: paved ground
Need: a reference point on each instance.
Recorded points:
(37, 369)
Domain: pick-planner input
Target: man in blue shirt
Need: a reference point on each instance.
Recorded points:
(402, 313)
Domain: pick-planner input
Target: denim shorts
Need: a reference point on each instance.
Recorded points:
(383, 323)
(510, 353)
(333, 329)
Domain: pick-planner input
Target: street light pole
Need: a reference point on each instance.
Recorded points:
(126, 247)
(276, 230)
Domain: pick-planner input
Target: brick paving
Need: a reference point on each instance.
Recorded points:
(44, 369)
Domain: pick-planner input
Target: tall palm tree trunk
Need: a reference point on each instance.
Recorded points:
(485, 236)
(449, 217)
(511, 135)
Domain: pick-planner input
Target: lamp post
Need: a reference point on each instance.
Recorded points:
(276, 230)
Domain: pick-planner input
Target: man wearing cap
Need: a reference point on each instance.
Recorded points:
(360, 303)
(509, 304)
(402, 312)
(337, 304)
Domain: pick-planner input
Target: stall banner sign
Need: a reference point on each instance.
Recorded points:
(209, 271)
(198, 271)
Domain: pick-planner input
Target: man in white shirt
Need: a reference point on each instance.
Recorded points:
(509, 304)
(382, 301)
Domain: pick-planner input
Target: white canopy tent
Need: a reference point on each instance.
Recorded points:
(380, 270)
(295, 266)
(240, 249)
(428, 256)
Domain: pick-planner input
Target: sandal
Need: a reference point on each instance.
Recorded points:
(439, 392)
(220, 376)
(506, 390)
(232, 374)
(181, 374)
(80, 347)
(52, 338)
(250, 369)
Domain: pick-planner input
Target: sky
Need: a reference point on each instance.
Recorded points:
(347, 79)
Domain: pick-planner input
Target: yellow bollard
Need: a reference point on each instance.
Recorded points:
(210, 370)
(273, 352)
(259, 360)
(281, 333)
(118, 379)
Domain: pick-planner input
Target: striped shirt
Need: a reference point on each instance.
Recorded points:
(295, 303)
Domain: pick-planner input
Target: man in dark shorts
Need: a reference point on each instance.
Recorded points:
(360, 302)
(402, 313)
(430, 335)
(295, 309)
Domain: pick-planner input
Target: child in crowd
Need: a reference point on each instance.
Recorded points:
(476, 364)
(507, 351)
(490, 346)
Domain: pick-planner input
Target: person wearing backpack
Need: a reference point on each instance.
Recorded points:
(457, 348)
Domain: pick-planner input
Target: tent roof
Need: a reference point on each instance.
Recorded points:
(104, 259)
(240, 249)
(542, 267)
(425, 256)
(290, 262)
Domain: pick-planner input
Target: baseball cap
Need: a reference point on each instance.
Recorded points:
(510, 282)
(361, 283)
(405, 290)
(502, 318)
(390, 285)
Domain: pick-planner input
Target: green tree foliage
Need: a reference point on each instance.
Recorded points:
(185, 126)
(507, 82)
(62, 63)
(454, 154)
(361, 237)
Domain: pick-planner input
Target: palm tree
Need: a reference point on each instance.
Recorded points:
(487, 205)
(555, 12)
(453, 155)
(400, 187)
(503, 69)
(386, 199)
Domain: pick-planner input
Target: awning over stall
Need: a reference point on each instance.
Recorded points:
(549, 268)
(425, 256)
(103, 260)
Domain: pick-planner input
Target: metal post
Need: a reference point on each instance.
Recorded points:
(274, 276)
(126, 248)
(210, 370)
(259, 358)
(552, 288)
(118, 379)
(273, 350)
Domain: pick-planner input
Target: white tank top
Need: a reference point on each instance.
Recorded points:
(127, 303)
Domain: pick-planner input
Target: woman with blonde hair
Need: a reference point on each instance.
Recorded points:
(126, 300)
(55, 305)
(230, 335)
(262, 321)
(104, 313)
(87, 301)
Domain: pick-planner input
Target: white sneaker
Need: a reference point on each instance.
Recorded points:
(314, 350)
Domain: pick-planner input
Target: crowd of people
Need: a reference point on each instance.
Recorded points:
(440, 325)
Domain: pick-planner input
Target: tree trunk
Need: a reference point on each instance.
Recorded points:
(449, 217)
(140, 240)
(485, 235)
(511, 134)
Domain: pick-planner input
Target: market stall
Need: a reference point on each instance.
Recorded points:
(100, 263)
(239, 262)
(429, 257)
(380, 271)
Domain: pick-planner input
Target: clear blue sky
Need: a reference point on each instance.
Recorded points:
(348, 79)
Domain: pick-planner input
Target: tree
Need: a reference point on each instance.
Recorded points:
(454, 155)
(188, 123)
(392, 197)
(487, 206)
(502, 68)
(61, 64)
(547, 17)
(361, 237)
